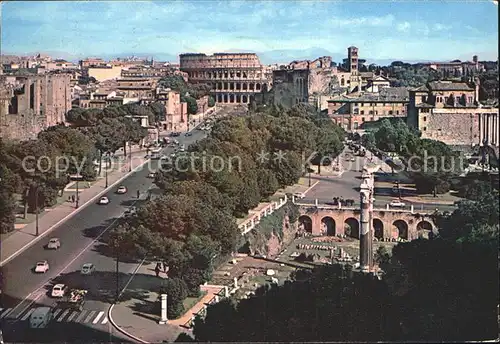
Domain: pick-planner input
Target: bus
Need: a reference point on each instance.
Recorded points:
(156, 153)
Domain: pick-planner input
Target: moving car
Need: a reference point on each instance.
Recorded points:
(59, 290)
(42, 267)
(396, 203)
(188, 134)
(87, 269)
(41, 317)
(182, 148)
(152, 175)
(54, 244)
(75, 300)
(103, 200)
(121, 190)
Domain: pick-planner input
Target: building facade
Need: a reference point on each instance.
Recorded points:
(456, 68)
(450, 112)
(32, 103)
(233, 77)
(352, 110)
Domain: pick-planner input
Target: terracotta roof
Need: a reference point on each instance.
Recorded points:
(449, 86)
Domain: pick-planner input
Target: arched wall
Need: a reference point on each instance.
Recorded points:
(386, 218)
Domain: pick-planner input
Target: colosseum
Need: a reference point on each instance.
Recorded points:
(234, 77)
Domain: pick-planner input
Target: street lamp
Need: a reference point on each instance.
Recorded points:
(117, 292)
(106, 170)
(77, 205)
(37, 232)
(130, 159)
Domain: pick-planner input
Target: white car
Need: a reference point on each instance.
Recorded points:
(59, 290)
(87, 269)
(397, 203)
(121, 190)
(42, 267)
(299, 195)
(104, 200)
(152, 175)
(54, 244)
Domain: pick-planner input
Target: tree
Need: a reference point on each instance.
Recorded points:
(176, 291)
(8, 209)
(192, 106)
(211, 101)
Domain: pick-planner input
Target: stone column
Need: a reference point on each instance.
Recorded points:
(236, 282)
(481, 125)
(163, 320)
(364, 230)
(226, 291)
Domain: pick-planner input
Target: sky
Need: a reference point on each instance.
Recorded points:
(432, 30)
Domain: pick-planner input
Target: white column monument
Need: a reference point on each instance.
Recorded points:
(163, 320)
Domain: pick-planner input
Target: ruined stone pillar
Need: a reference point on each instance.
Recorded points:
(481, 129)
(236, 282)
(364, 230)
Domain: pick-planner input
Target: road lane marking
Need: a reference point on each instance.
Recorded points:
(105, 321)
(63, 315)
(70, 318)
(87, 319)
(72, 214)
(96, 320)
(5, 312)
(81, 316)
(68, 265)
(27, 315)
(56, 313)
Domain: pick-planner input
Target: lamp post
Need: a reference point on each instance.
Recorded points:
(106, 170)
(117, 292)
(130, 160)
(37, 232)
(77, 205)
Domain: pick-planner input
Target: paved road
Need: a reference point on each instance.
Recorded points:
(347, 187)
(23, 290)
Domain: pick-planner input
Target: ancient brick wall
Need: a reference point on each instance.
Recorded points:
(22, 127)
(457, 128)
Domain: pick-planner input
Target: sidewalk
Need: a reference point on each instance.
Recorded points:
(138, 313)
(16, 242)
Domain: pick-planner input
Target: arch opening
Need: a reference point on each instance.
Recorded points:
(305, 223)
(400, 229)
(328, 226)
(424, 229)
(378, 229)
(351, 228)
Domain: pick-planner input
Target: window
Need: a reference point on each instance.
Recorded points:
(362, 104)
(362, 119)
(371, 112)
(362, 112)
(425, 128)
(355, 104)
(397, 112)
(469, 99)
(376, 112)
(425, 118)
(424, 99)
(390, 112)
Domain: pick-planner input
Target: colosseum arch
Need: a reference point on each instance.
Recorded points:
(257, 87)
(401, 229)
(231, 98)
(351, 227)
(328, 226)
(225, 98)
(238, 98)
(378, 228)
(244, 86)
(219, 98)
(305, 223)
(245, 99)
(424, 229)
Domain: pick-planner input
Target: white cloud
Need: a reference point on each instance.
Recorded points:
(362, 21)
(404, 27)
(441, 27)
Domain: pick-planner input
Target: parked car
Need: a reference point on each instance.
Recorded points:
(299, 195)
(188, 134)
(42, 267)
(59, 290)
(103, 200)
(87, 269)
(152, 175)
(121, 190)
(397, 203)
(54, 244)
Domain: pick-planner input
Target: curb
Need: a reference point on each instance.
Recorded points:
(119, 329)
(110, 309)
(70, 215)
(309, 189)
